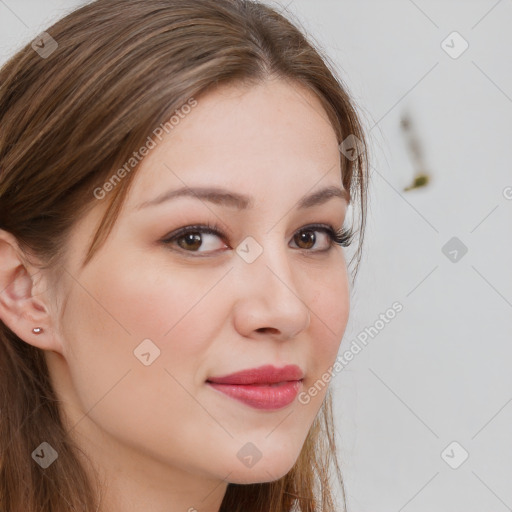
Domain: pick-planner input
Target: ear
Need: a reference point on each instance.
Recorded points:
(22, 298)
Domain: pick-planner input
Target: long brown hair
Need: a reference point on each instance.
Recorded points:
(118, 70)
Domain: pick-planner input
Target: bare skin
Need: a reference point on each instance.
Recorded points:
(161, 438)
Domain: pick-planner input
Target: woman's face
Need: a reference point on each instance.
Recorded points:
(156, 313)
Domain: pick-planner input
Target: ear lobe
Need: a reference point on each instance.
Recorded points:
(20, 309)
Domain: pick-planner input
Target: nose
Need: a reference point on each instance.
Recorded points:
(270, 297)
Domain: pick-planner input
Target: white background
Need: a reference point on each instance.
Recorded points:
(440, 370)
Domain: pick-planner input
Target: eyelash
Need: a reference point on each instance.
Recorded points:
(342, 237)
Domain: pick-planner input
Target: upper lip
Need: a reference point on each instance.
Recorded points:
(267, 374)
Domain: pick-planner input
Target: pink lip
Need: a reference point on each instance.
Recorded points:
(266, 387)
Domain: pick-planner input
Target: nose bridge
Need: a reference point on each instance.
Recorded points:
(269, 284)
(267, 264)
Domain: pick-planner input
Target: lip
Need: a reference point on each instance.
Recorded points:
(267, 374)
(266, 387)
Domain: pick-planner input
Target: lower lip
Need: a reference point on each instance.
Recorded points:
(262, 396)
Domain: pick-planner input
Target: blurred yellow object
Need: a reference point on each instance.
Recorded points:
(419, 181)
(422, 177)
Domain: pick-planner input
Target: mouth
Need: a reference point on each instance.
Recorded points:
(266, 387)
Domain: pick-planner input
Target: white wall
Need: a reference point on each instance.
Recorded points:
(439, 371)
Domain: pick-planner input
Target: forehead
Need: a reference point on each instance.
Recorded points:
(251, 138)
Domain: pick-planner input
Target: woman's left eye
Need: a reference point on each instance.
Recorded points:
(307, 238)
(192, 238)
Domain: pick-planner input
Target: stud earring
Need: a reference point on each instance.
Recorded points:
(37, 330)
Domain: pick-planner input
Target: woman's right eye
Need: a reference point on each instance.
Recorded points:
(192, 238)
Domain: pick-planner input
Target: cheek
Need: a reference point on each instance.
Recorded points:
(330, 309)
(178, 309)
(104, 325)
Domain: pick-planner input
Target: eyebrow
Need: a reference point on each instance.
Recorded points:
(227, 198)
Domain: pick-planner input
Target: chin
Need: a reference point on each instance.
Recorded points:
(265, 470)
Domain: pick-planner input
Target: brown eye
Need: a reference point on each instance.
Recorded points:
(190, 241)
(305, 239)
(308, 239)
(200, 239)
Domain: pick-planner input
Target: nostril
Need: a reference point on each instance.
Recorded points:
(265, 329)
